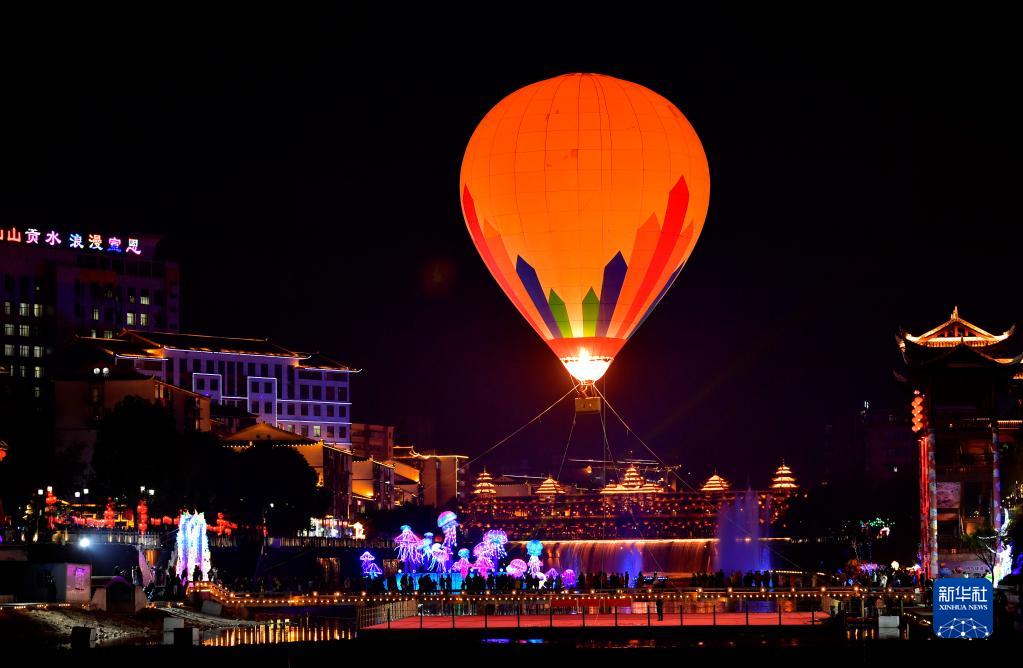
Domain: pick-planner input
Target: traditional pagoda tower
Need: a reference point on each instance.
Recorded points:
(783, 480)
(550, 487)
(965, 383)
(715, 483)
(484, 485)
(632, 483)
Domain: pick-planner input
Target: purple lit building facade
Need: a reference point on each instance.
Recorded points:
(304, 393)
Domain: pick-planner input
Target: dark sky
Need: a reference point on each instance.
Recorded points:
(304, 167)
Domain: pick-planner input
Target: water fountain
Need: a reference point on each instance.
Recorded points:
(740, 529)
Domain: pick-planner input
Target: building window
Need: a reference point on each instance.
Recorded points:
(268, 407)
(316, 410)
(37, 310)
(255, 407)
(200, 383)
(129, 318)
(9, 349)
(23, 309)
(95, 314)
(92, 333)
(7, 308)
(330, 393)
(23, 351)
(303, 391)
(291, 409)
(23, 330)
(37, 351)
(316, 431)
(144, 297)
(108, 334)
(8, 329)
(144, 319)
(305, 409)
(37, 372)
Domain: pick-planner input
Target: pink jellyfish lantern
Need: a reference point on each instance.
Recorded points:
(515, 568)
(409, 548)
(568, 578)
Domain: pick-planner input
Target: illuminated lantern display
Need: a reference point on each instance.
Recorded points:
(369, 569)
(919, 419)
(535, 548)
(440, 555)
(585, 195)
(409, 548)
(462, 565)
(3, 450)
(109, 515)
(142, 516)
(516, 568)
(496, 539)
(448, 523)
(426, 547)
(192, 547)
(568, 578)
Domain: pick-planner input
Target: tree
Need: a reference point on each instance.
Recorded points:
(983, 544)
(265, 475)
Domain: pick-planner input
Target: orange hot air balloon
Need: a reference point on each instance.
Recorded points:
(585, 195)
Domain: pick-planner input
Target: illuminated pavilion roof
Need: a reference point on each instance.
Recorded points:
(783, 478)
(716, 483)
(956, 331)
(632, 483)
(959, 343)
(550, 487)
(484, 484)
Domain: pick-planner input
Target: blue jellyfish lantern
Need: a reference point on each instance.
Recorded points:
(448, 523)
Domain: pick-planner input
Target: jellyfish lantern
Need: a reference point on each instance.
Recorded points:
(463, 564)
(568, 578)
(484, 563)
(496, 539)
(426, 551)
(440, 555)
(535, 548)
(369, 569)
(516, 568)
(409, 548)
(448, 522)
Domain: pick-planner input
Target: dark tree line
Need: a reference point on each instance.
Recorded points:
(137, 444)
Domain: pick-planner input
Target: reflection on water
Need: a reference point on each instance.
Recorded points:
(278, 631)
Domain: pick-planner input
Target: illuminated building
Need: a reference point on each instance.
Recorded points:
(965, 410)
(550, 487)
(305, 393)
(632, 508)
(376, 440)
(783, 480)
(440, 477)
(632, 483)
(716, 483)
(55, 284)
(484, 485)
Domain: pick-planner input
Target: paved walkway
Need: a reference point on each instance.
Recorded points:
(603, 620)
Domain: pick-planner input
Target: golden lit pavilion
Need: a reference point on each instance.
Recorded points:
(783, 479)
(484, 484)
(632, 483)
(550, 487)
(716, 483)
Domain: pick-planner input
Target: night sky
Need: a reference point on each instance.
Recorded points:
(304, 170)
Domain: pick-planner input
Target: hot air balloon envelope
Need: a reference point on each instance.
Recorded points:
(584, 194)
